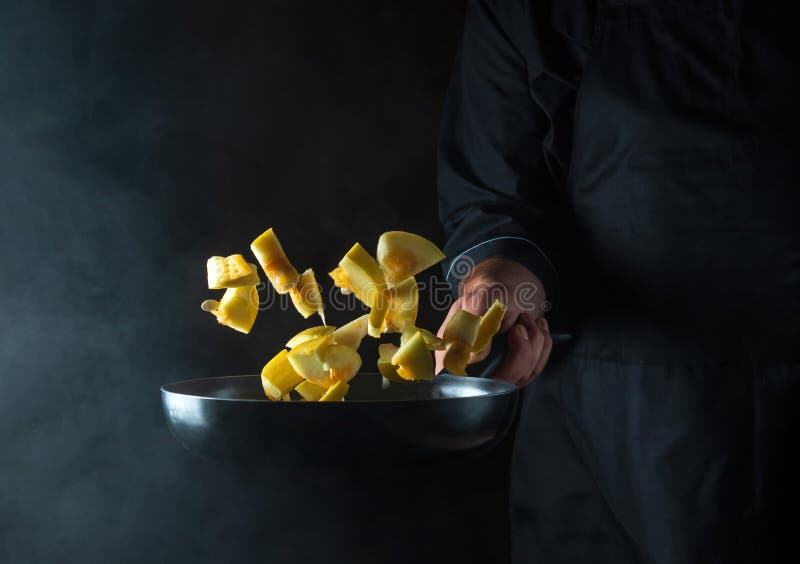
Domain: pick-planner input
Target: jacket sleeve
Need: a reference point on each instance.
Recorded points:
(496, 193)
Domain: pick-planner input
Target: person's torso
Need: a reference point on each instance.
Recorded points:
(684, 182)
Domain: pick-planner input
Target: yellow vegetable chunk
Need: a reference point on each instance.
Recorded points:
(388, 370)
(230, 272)
(336, 392)
(413, 359)
(434, 343)
(278, 378)
(351, 334)
(309, 334)
(237, 309)
(403, 305)
(306, 359)
(310, 391)
(306, 296)
(489, 326)
(456, 357)
(463, 326)
(401, 254)
(377, 315)
(360, 274)
(459, 336)
(341, 362)
(280, 272)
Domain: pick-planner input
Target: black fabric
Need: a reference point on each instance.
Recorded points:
(656, 463)
(648, 148)
(496, 157)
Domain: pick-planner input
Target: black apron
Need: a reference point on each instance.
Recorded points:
(667, 431)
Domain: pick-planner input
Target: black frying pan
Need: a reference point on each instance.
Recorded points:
(228, 419)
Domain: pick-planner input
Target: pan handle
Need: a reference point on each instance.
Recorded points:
(489, 365)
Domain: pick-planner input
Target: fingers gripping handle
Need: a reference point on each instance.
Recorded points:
(487, 367)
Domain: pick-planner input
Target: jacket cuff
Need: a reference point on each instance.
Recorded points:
(519, 249)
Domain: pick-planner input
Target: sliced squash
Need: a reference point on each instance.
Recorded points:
(310, 391)
(237, 309)
(230, 272)
(306, 359)
(377, 315)
(341, 362)
(388, 370)
(489, 325)
(336, 392)
(413, 359)
(403, 306)
(360, 274)
(351, 334)
(459, 336)
(278, 378)
(309, 334)
(269, 252)
(434, 343)
(306, 296)
(401, 254)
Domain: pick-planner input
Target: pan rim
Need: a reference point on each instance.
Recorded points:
(510, 390)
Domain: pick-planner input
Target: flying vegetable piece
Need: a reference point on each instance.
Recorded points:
(306, 359)
(309, 334)
(278, 378)
(388, 370)
(413, 359)
(341, 362)
(377, 316)
(352, 333)
(230, 272)
(310, 391)
(459, 336)
(360, 274)
(403, 305)
(237, 309)
(336, 392)
(280, 272)
(401, 254)
(489, 326)
(434, 343)
(306, 296)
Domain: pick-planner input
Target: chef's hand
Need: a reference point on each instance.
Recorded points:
(529, 340)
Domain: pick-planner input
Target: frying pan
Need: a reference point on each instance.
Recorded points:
(228, 419)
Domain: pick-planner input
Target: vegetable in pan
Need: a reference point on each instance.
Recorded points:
(321, 360)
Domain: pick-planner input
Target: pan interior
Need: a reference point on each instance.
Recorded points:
(365, 387)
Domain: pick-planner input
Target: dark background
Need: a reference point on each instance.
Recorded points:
(137, 138)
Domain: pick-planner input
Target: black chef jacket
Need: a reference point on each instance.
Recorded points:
(639, 157)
